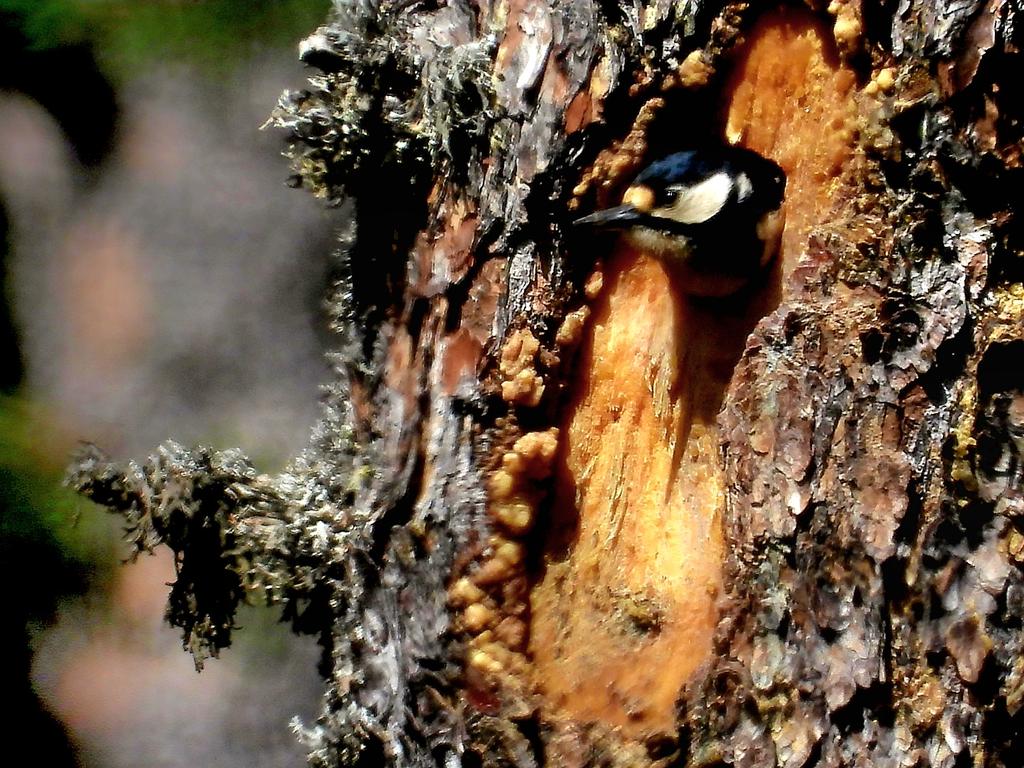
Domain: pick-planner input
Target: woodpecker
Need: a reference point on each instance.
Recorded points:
(714, 216)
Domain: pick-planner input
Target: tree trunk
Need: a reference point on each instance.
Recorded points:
(560, 513)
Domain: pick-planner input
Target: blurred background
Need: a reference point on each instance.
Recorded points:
(159, 281)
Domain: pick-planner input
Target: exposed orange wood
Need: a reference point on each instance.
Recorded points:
(624, 614)
(624, 609)
(791, 101)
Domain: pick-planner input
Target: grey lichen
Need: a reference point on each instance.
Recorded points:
(397, 88)
(236, 535)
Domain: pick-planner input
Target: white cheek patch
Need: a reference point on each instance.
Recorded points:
(697, 204)
(743, 187)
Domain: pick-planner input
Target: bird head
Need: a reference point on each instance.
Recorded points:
(710, 212)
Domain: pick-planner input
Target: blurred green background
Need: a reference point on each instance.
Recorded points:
(131, 128)
(127, 35)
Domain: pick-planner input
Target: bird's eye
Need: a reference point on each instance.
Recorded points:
(669, 194)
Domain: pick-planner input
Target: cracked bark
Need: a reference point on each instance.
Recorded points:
(556, 513)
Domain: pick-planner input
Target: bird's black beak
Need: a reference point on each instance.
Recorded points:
(611, 218)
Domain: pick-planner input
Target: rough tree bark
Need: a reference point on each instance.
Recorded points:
(556, 513)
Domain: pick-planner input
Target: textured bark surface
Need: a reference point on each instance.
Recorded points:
(556, 513)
